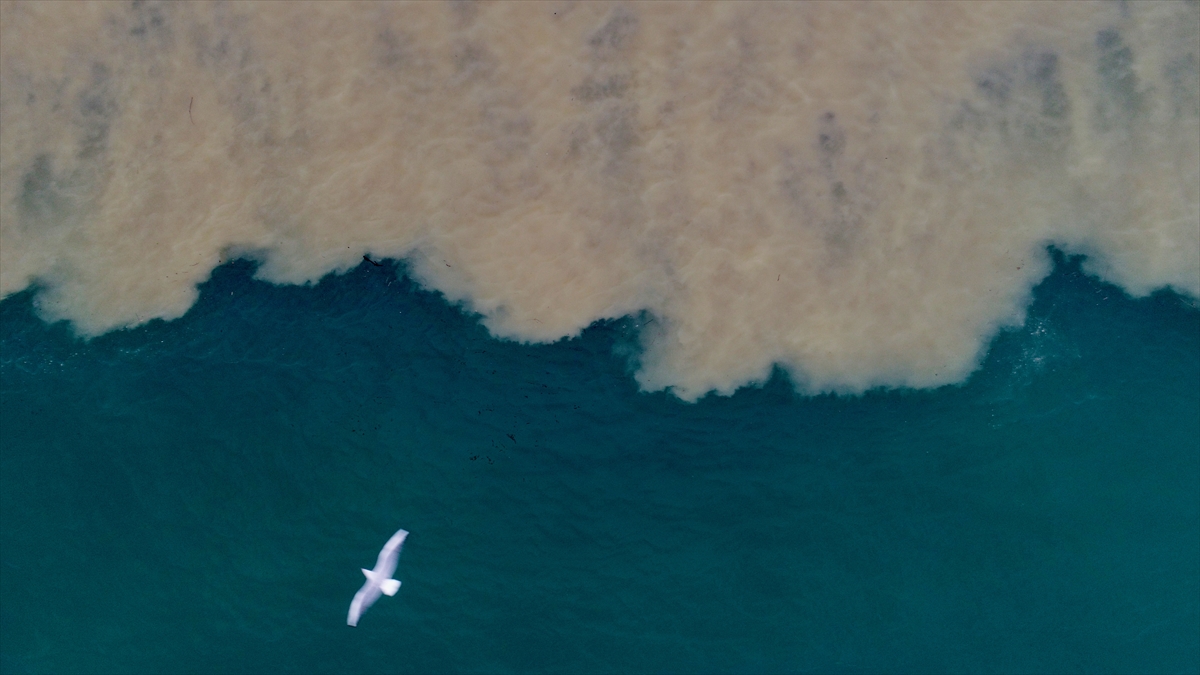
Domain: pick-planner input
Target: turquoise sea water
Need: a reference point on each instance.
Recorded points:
(199, 495)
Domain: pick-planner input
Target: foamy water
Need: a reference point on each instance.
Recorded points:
(861, 193)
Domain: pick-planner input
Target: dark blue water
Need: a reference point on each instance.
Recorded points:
(198, 496)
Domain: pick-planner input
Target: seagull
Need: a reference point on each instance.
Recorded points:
(379, 580)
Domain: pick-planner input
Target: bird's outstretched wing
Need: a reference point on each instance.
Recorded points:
(386, 564)
(377, 578)
(363, 599)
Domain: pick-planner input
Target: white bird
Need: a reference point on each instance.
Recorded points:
(379, 580)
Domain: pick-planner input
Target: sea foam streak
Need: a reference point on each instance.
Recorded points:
(860, 193)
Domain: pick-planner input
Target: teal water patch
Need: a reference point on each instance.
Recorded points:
(199, 495)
